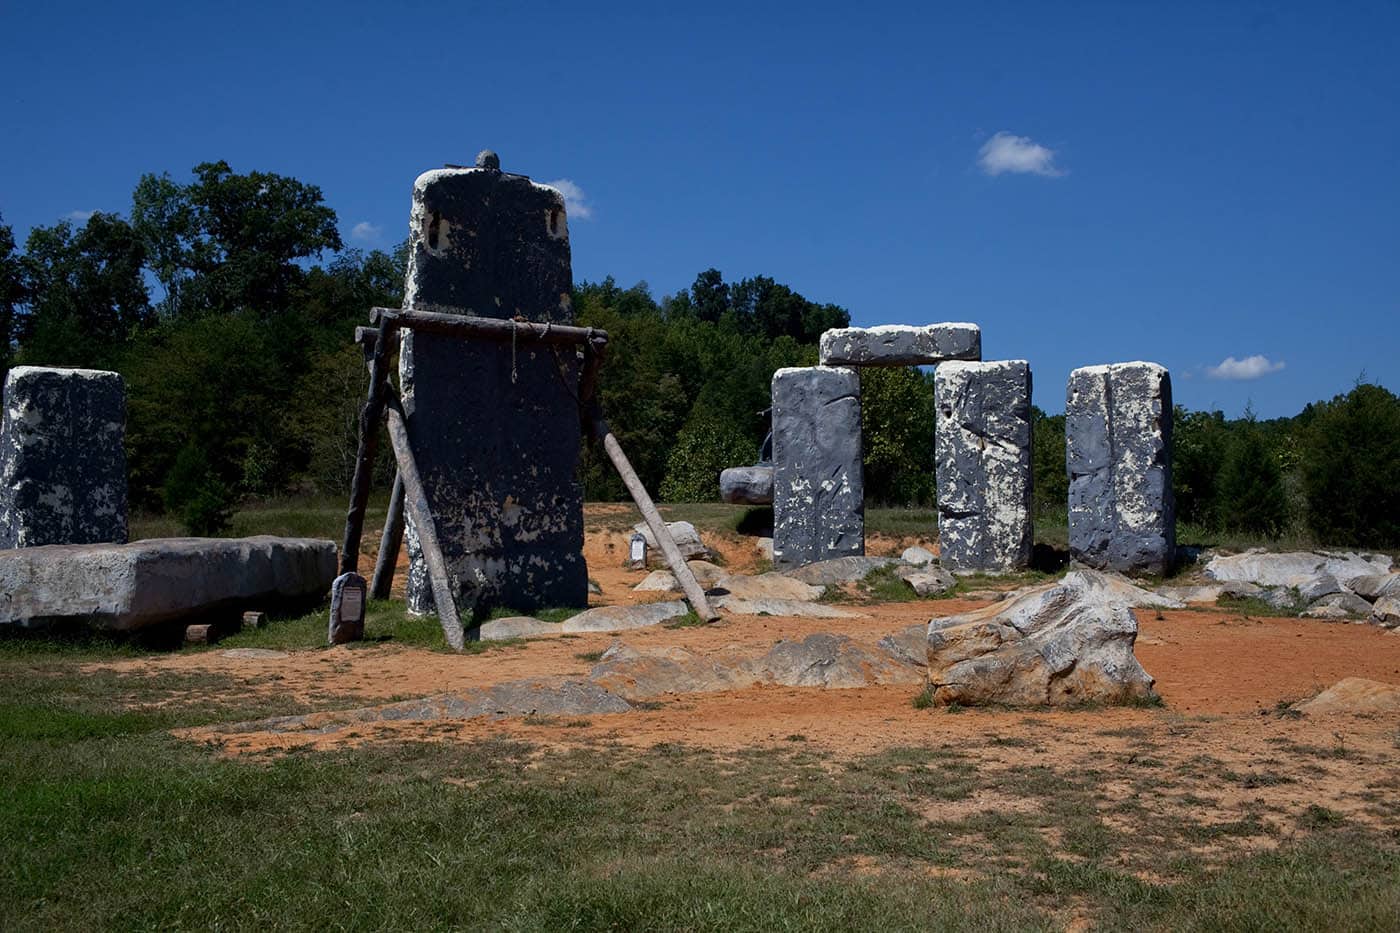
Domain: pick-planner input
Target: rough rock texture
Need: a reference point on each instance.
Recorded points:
(917, 556)
(982, 447)
(1209, 592)
(621, 618)
(1386, 611)
(928, 581)
(772, 606)
(1063, 642)
(1293, 568)
(839, 570)
(1354, 695)
(1373, 586)
(1347, 604)
(1118, 450)
(1324, 584)
(768, 586)
(683, 533)
(494, 424)
(516, 627)
(663, 581)
(818, 486)
(129, 586)
(747, 485)
(62, 464)
(901, 345)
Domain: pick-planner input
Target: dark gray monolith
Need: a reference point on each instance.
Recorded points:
(62, 464)
(1118, 451)
(982, 444)
(494, 425)
(818, 486)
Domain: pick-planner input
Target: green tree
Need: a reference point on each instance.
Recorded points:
(1350, 464)
(1049, 472)
(1250, 492)
(1199, 442)
(12, 295)
(897, 420)
(704, 447)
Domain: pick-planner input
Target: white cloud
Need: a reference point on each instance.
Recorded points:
(1251, 367)
(365, 232)
(81, 217)
(1018, 155)
(575, 201)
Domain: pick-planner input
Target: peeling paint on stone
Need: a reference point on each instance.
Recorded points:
(1118, 433)
(62, 464)
(982, 446)
(901, 345)
(818, 484)
(494, 425)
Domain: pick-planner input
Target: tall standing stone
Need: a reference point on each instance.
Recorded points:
(1118, 451)
(818, 485)
(494, 424)
(982, 444)
(62, 464)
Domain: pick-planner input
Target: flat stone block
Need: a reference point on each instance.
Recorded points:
(125, 587)
(982, 445)
(1118, 433)
(901, 345)
(62, 464)
(749, 485)
(818, 483)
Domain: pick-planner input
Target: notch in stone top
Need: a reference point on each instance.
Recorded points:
(488, 160)
(901, 345)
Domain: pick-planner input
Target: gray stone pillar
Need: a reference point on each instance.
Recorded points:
(818, 484)
(1118, 451)
(494, 425)
(982, 445)
(62, 464)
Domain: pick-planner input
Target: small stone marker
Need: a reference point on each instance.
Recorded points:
(982, 446)
(254, 620)
(901, 345)
(1118, 451)
(62, 464)
(818, 484)
(347, 609)
(200, 635)
(637, 552)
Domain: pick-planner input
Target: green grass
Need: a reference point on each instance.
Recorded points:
(882, 585)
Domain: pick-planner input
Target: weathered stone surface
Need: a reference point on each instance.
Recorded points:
(683, 533)
(818, 484)
(1281, 597)
(1373, 586)
(1324, 584)
(62, 464)
(516, 627)
(129, 586)
(663, 581)
(917, 556)
(747, 485)
(621, 618)
(1063, 642)
(768, 586)
(658, 581)
(1354, 695)
(349, 593)
(1118, 446)
(901, 345)
(1293, 568)
(1386, 611)
(982, 447)
(770, 606)
(838, 570)
(929, 581)
(1348, 604)
(764, 546)
(494, 424)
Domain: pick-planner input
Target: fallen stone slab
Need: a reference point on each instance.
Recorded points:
(782, 607)
(1373, 586)
(621, 618)
(1293, 568)
(125, 587)
(683, 533)
(748, 485)
(516, 627)
(1354, 695)
(900, 345)
(767, 586)
(1063, 642)
(838, 570)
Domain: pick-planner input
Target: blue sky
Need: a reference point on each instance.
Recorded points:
(1180, 182)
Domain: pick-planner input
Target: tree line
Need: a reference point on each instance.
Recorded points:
(227, 302)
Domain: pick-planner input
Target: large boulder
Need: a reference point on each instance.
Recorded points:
(1373, 586)
(125, 587)
(1354, 695)
(768, 586)
(747, 485)
(1294, 568)
(1386, 611)
(1060, 643)
(621, 618)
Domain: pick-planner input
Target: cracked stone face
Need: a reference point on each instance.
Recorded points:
(62, 464)
(982, 446)
(818, 484)
(1118, 424)
(494, 425)
(901, 345)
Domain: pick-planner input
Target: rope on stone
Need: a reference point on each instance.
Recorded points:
(514, 373)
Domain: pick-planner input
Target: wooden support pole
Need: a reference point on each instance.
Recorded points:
(389, 543)
(364, 456)
(416, 506)
(486, 328)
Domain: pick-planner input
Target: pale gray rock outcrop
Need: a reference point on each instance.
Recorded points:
(1324, 584)
(125, 587)
(900, 345)
(768, 586)
(621, 618)
(516, 627)
(1373, 586)
(1064, 642)
(1386, 611)
(838, 570)
(62, 462)
(1338, 605)
(1294, 568)
(1118, 451)
(818, 484)
(982, 447)
(747, 485)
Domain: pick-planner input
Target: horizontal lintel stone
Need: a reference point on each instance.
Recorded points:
(901, 345)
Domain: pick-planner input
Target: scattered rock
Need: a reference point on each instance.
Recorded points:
(764, 546)
(1117, 590)
(1281, 597)
(1354, 695)
(516, 627)
(620, 618)
(1324, 584)
(1348, 603)
(706, 573)
(1062, 642)
(658, 581)
(1373, 586)
(686, 537)
(747, 485)
(1294, 568)
(917, 556)
(768, 586)
(782, 607)
(1386, 611)
(1240, 590)
(1207, 593)
(253, 654)
(932, 581)
(1325, 613)
(661, 581)
(839, 570)
(594, 589)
